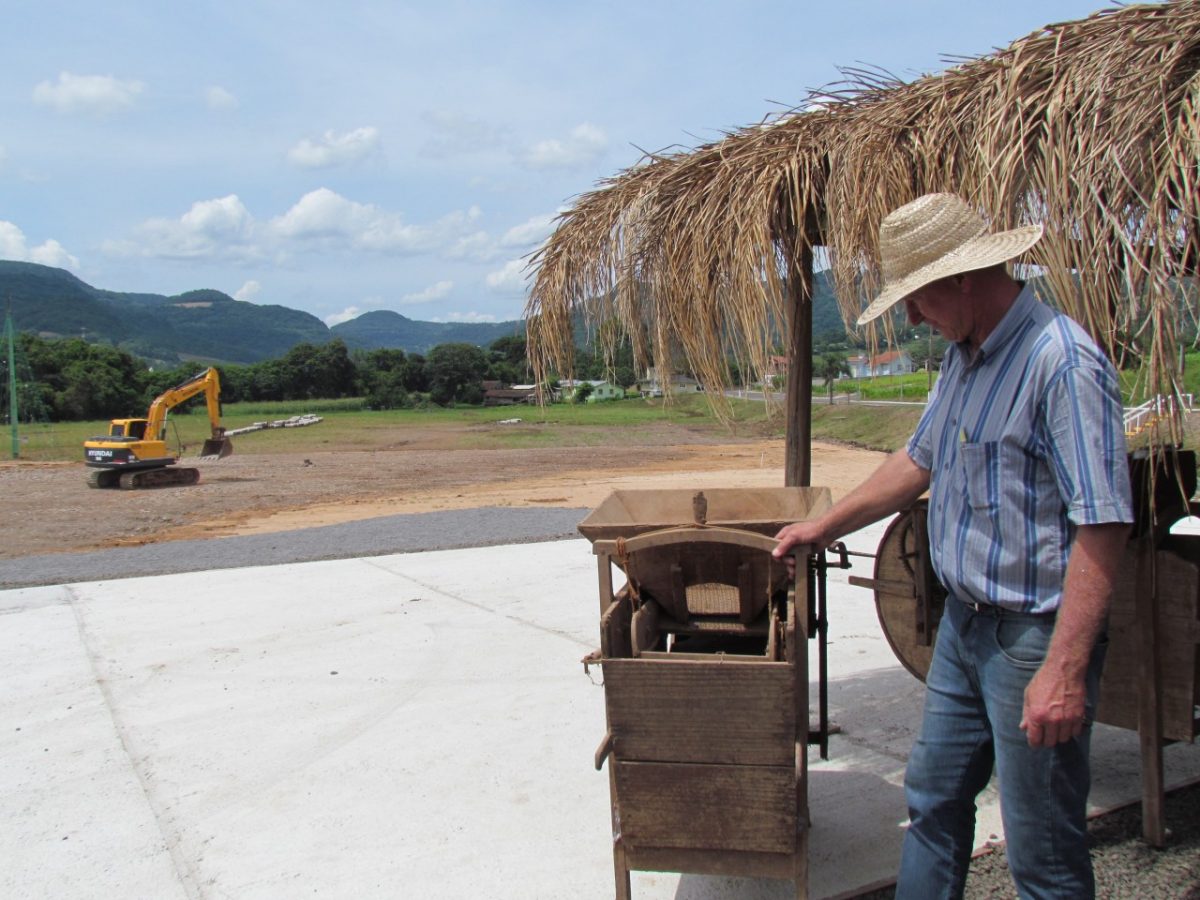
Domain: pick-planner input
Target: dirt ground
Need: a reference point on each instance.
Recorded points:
(47, 507)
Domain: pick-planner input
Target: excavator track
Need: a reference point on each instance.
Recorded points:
(156, 478)
(103, 478)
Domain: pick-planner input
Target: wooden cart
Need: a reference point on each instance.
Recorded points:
(705, 661)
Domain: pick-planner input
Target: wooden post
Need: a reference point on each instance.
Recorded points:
(798, 459)
(1150, 724)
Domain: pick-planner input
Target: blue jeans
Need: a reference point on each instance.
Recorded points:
(982, 662)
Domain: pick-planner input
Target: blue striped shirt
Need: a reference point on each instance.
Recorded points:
(1023, 443)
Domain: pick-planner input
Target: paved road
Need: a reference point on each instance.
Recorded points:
(443, 530)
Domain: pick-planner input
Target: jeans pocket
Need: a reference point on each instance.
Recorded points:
(1024, 640)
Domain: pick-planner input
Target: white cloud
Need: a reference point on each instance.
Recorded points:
(13, 245)
(335, 149)
(350, 312)
(328, 216)
(478, 246)
(223, 216)
(456, 134)
(52, 253)
(248, 291)
(223, 228)
(530, 233)
(433, 292)
(512, 279)
(585, 145)
(468, 317)
(218, 98)
(95, 94)
(220, 228)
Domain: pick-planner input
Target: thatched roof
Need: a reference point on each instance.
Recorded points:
(1092, 127)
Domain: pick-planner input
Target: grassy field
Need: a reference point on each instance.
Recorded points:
(347, 426)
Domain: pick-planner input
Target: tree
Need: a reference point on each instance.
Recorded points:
(582, 392)
(456, 373)
(381, 378)
(832, 366)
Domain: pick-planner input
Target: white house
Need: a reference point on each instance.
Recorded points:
(601, 390)
(605, 390)
(894, 362)
(652, 386)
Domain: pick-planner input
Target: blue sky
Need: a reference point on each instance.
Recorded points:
(345, 157)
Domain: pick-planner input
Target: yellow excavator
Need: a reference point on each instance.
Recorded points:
(134, 452)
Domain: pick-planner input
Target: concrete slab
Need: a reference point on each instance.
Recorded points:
(407, 725)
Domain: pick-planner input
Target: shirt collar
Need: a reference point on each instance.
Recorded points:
(1004, 331)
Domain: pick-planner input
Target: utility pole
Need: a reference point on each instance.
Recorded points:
(12, 381)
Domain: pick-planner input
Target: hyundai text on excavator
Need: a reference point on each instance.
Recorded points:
(134, 452)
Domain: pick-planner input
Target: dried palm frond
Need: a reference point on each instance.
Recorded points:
(1092, 127)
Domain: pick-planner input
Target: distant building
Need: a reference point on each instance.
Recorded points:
(601, 390)
(605, 391)
(894, 362)
(652, 386)
(508, 396)
(495, 393)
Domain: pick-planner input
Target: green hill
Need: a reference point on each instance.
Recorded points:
(210, 326)
(384, 328)
(206, 325)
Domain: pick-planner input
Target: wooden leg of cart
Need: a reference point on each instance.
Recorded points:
(797, 654)
(620, 863)
(1150, 726)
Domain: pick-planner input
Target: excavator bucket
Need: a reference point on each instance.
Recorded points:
(216, 448)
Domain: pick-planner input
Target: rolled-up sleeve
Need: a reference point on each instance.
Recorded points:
(1084, 436)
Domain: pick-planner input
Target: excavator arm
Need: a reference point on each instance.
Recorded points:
(207, 382)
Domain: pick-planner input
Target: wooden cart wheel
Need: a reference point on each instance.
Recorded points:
(896, 582)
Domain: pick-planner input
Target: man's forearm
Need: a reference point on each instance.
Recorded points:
(1056, 697)
(895, 485)
(1087, 592)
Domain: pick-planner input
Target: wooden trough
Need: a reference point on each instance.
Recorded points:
(705, 661)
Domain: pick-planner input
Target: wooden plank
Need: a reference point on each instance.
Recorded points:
(645, 627)
(615, 628)
(1178, 657)
(702, 712)
(721, 658)
(707, 807)
(1154, 826)
(604, 574)
(743, 863)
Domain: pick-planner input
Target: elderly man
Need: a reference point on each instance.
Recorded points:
(1023, 451)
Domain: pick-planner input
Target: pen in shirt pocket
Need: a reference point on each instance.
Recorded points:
(962, 435)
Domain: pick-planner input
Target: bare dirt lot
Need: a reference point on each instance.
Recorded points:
(47, 507)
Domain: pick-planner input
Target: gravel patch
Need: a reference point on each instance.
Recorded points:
(413, 533)
(1126, 867)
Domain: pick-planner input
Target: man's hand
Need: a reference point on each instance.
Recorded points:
(792, 536)
(1054, 708)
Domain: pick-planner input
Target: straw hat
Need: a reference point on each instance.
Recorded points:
(936, 236)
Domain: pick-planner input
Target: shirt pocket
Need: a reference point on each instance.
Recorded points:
(981, 472)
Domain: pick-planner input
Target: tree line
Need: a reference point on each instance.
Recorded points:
(71, 379)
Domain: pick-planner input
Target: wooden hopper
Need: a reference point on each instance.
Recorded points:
(705, 661)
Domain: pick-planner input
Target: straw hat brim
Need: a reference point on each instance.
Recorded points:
(977, 253)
